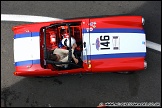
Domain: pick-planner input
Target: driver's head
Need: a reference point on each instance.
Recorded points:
(66, 41)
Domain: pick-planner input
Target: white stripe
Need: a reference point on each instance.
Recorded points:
(26, 18)
(29, 18)
(27, 48)
(128, 43)
(153, 45)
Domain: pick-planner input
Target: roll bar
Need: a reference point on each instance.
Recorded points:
(46, 59)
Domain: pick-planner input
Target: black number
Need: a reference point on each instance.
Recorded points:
(106, 44)
(105, 38)
(104, 48)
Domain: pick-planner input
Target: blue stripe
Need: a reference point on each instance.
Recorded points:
(29, 34)
(121, 55)
(114, 30)
(28, 62)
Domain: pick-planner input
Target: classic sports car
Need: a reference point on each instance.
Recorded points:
(104, 44)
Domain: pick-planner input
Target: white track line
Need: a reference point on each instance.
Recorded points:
(153, 45)
(26, 18)
(30, 18)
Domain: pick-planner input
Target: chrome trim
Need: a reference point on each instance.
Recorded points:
(143, 21)
(145, 64)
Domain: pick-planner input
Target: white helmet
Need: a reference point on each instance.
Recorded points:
(65, 41)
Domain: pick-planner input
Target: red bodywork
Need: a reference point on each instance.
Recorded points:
(92, 65)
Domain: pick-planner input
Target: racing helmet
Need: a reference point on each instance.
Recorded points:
(66, 41)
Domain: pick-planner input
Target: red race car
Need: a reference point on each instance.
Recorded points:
(104, 44)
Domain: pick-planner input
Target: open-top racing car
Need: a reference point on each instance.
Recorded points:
(104, 44)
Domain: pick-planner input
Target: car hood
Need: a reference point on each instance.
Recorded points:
(119, 43)
(26, 48)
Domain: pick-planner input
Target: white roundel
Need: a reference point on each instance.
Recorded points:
(66, 41)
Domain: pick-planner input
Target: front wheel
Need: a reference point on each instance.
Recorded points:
(43, 76)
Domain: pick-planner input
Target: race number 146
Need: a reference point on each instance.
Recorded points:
(105, 41)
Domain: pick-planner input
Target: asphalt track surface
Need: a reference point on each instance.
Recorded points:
(87, 90)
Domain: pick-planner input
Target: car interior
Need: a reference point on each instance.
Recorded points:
(51, 37)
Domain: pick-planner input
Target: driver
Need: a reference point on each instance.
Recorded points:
(61, 55)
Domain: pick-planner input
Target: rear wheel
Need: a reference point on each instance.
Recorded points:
(126, 72)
